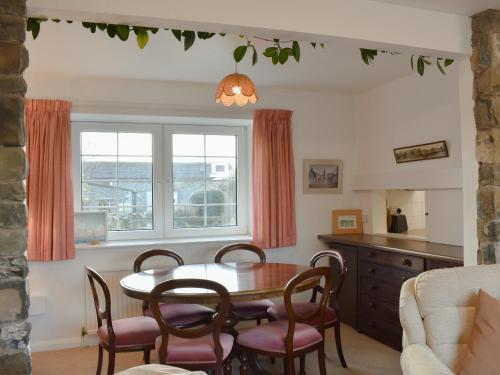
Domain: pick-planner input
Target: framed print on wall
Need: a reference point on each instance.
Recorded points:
(426, 151)
(322, 176)
(347, 222)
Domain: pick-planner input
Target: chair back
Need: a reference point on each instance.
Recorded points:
(102, 314)
(214, 327)
(317, 273)
(339, 280)
(156, 252)
(240, 246)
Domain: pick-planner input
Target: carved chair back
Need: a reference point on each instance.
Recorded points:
(240, 246)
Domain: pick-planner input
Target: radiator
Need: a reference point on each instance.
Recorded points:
(121, 305)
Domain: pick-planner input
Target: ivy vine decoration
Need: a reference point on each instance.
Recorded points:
(368, 56)
(278, 52)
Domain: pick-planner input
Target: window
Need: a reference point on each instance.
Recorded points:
(156, 180)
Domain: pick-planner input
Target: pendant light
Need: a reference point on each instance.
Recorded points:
(236, 88)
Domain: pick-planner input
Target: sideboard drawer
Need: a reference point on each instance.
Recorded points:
(403, 261)
(380, 290)
(384, 332)
(392, 275)
(374, 308)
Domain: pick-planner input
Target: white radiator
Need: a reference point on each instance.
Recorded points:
(121, 305)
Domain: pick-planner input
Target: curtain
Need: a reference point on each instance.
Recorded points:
(49, 184)
(273, 179)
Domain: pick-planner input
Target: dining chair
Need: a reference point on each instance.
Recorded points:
(122, 335)
(332, 314)
(178, 314)
(293, 337)
(247, 310)
(199, 348)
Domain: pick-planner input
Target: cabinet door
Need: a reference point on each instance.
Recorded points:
(348, 295)
(443, 220)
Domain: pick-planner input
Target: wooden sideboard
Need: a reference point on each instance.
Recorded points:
(377, 266)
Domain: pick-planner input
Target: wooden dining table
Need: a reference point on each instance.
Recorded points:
(244, 282)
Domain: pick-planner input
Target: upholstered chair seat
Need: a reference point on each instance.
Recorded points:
(255, 309)
(183, 314)
(198, 350)
(278, 312)
(159, 370)
(134, 331)
(271, 337)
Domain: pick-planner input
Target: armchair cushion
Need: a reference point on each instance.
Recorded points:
(418, 359)
(158, 370)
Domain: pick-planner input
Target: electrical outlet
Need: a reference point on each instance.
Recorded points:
(84, 332)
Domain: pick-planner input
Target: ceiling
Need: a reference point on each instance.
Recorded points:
(463, 7)
(69, 49)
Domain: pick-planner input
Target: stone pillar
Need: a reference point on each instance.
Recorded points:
(14, 301)
(485, 63)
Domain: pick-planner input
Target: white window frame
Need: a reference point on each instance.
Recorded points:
(162, 132)
(241, 181)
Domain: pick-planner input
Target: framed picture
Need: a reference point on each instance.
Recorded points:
(322, 176)
(426, 151)
(347, 222)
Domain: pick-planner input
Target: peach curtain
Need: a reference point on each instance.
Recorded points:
(273, 179)
(49, 185)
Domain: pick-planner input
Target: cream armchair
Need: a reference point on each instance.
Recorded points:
(437, 311)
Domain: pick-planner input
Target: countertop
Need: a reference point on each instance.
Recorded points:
(399, 245)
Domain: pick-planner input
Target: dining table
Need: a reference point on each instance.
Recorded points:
(245, 281)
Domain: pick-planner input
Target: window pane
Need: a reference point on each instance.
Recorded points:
(189, 168)
(221, 215)
(189, 216)
(204, 187)
(98, 168)
(135, 144)
(221, 168)
(221, 145)
(135, 168)
(221, 191)
(189, 191)
(98, 143)
(118, 183)
(188, 145)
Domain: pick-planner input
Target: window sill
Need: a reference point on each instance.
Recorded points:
(162, 242)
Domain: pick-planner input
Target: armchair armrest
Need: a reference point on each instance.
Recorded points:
(418, 359)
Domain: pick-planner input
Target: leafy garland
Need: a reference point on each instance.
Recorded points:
(278, 52)
(368, 56)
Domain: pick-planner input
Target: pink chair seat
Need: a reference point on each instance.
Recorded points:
(271, 337)
(137, 331)
(278, 312)
(255, 309)
(195, 350)
(181, 314)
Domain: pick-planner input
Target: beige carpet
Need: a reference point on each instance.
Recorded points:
(364, 356)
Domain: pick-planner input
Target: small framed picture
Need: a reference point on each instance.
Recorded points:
(322, 176)
(426, 151)
(347, 222)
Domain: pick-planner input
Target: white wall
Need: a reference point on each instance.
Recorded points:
(323, 128)
(409, 111)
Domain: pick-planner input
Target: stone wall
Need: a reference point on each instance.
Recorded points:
(485, 63)
(14, 302)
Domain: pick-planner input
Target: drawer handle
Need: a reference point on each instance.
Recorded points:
(372, 254)
(371, 271)
(373, 287)
(406, 262)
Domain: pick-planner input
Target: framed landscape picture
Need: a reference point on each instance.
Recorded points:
(426, 151)
(322, 176)
(347, 222)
